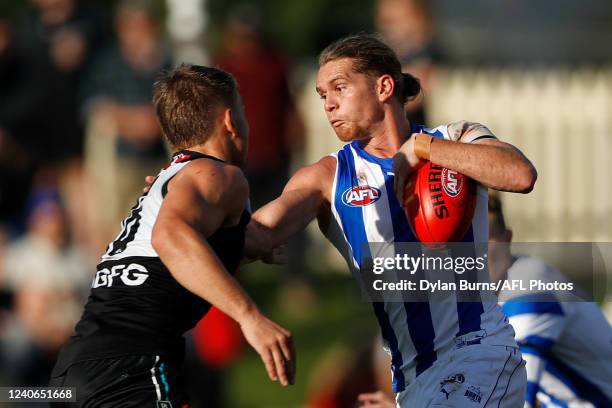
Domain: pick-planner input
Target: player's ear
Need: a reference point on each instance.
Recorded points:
(228, 121)
(385, 86)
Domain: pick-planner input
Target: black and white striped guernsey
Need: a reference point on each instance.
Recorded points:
(135, 305)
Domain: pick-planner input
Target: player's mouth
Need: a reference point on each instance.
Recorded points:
(336, 122)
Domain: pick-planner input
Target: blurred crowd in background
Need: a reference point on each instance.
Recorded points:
(78, 134)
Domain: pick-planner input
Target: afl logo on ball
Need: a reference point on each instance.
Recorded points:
(452, 182)
(360, 196)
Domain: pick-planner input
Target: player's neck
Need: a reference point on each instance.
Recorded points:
(389, 136)
(214, 149)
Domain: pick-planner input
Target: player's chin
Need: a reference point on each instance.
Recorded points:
(347, 134)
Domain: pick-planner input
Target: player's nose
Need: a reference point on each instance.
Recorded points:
(330, 104)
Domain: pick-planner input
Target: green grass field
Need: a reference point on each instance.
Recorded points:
(333, 317)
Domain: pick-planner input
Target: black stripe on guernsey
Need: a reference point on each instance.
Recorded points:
(164, 189)
(130, 227)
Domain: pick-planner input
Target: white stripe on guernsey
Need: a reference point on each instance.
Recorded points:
(344, 247)
(149, 207)
(377, 218)
(445, 321)
(155, 383)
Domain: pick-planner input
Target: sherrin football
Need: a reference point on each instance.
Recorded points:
(439, 203)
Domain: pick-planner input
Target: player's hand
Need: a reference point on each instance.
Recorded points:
(405, 162)
(376, 399)
(274, 345)
(278, 256)
(257, 247)
(149, 180)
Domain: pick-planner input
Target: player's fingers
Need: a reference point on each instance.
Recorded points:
(149, 180)
(268, 361)
(293, 360)
(366, 396)
(279, 363)
(286, 346)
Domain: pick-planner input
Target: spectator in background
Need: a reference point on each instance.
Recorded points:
(48, 278)
(124, 139)
(406, 27)
(15, 166)
(53, 44)
(276, 130)
(41, 63)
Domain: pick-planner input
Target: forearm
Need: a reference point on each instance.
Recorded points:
(196, 267)
(500, 166)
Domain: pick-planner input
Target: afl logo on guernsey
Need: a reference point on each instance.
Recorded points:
(451, 182)
(360, 196)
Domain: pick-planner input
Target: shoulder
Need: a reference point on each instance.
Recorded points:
(319, 175)
(468, 132)
(316, 180)
(214, 179)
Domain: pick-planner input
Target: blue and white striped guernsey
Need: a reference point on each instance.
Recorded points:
(417, 334)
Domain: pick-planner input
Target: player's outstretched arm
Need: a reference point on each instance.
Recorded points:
(493, 163)
(303, 199)
(202, 198)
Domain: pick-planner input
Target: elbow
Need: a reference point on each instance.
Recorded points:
(526, 179)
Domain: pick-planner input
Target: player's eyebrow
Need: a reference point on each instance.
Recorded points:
(331, 81)
(336, 78)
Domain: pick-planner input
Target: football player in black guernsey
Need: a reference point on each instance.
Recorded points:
(174, 258)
